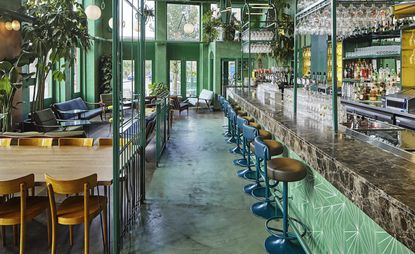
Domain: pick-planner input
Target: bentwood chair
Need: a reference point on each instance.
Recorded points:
(85, 142)
(17, 210)
(105, 142)
(76, 209)
(5, 142)
(41, 142)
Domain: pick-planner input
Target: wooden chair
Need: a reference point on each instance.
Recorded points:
(17, 210)
(105, 142)
(42, 142)
(76, 210)
(5, 142)
(179, 106)
(85, 142)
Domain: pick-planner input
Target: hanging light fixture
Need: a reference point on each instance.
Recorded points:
(189, 28)
(8, 26)
(15, 25)
(93, 12)
(110, 23)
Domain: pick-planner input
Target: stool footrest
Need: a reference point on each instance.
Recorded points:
(277, 232)
(265, 210)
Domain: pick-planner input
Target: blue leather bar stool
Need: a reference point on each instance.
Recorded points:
(264, 208)
(249, 133)
(231, 114)
(284, 170)
(244, 161)
(275, 148)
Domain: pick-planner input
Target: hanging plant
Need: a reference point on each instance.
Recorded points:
(230, 28)
(283, 46)
(210, 27)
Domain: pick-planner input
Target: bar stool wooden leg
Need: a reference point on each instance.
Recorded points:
(86, 237)
(22, 235)
(3, 235)
(15, 233)
(71, 235)
(104, 225)
(48, 224)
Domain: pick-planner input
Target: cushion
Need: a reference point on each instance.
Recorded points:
(92, 113)
(45, 117)
(206, 95)
(76, 103)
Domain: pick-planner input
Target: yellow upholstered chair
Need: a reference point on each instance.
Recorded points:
(86, 142)
(76, 209)
(17, 210)
(105, 141)
(42, 142)
(5, 142)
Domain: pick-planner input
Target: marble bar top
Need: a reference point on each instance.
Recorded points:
(380, 183)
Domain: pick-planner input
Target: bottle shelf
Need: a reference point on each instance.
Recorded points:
(372, 57)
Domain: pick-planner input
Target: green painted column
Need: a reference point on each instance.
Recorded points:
(203, 75)
(160, 57)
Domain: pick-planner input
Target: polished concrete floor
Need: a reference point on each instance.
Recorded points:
(195, 202)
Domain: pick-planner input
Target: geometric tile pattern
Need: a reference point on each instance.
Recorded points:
(334, 224)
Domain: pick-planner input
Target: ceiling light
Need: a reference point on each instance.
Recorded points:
(15, 25)
(110, 23)
(8, 25)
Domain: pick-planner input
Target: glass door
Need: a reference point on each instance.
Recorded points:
(191, 78)
(175, 77)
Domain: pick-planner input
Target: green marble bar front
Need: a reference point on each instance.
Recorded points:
(345, 209)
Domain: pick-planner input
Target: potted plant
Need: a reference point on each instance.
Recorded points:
(210, 27)
(157, 89)
(283, 46)
(11, 80)
(230, 28)
(59, 26)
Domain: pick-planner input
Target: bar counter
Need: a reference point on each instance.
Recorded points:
(346, 176)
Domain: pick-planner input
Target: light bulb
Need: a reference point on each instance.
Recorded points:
(110, 23)
(189, 28)
(93, 12)
(15, 25)
(9, 26)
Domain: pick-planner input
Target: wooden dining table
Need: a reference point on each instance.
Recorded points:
(64, 163)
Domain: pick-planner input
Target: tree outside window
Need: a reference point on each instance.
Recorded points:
(183, 22)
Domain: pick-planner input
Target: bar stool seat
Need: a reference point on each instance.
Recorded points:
(241, 113)
(249, 119)
(255, 125)
(265, 134)
(284, 170)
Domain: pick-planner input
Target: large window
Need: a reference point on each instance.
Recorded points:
(183, 22)
(191, 78)
(128, 79)
(130, 24)
(76, 71)
(175, 77)
(148, 75)
(48, 83)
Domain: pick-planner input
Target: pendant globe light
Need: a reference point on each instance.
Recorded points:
(188, 28)
(93, 12)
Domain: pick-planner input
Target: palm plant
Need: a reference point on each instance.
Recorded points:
(59, 26)
(11, 80)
